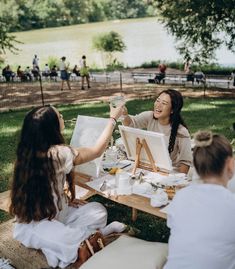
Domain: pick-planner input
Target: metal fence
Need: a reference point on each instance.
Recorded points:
(19, 94)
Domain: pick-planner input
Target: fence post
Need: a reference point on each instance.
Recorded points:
(40, 81)
(120, 81)
(204, 87)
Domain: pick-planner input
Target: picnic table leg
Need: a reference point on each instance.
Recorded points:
(134, 214)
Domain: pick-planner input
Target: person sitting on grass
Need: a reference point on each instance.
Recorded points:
(201, 216)
(166, 118)
(46, 218)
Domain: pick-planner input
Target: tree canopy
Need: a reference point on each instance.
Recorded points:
(109, 43)
(200, 26)
(7, 40)
(34, 14)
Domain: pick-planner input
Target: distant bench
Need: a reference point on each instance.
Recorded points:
(225, 81)
(149, 78)
(142, 77)
(210, 80)
(100, 77)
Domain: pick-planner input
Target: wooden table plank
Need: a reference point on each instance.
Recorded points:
(134, 201)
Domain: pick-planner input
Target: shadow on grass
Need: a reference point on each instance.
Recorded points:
(4, 216)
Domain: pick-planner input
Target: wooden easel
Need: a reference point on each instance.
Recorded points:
(152, 167)
(139, 146)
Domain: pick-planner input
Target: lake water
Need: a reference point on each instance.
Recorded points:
(146, 40)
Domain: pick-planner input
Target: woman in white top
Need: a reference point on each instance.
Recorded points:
(166, 119)
(64, 75)
(46, 218)
(202, 216)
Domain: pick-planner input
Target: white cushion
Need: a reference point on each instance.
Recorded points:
(129, 253)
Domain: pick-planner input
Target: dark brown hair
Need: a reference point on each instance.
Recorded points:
(34, 174)
(175, 117)
(210, 153)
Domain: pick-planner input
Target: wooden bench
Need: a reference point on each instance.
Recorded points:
(222, 81)
(142, 77)
(100, 77)
(169, 78)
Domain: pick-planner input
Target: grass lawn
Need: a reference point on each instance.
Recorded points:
(214, 114)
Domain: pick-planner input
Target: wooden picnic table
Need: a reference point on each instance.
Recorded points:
(136, 202)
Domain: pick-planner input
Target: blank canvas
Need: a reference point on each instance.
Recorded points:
(86, 132)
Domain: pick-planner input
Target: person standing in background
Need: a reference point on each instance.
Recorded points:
(233, 77)
(35, 62)
(84, 72)
(188, 70)
(64, 73)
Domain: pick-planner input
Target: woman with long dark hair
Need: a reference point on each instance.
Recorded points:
(46, 218)
(166, 119)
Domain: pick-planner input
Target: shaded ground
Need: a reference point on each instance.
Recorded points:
(18, 95)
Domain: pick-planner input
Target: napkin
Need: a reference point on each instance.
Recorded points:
(159, 199)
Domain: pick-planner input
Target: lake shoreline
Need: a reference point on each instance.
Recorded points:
(146, 39)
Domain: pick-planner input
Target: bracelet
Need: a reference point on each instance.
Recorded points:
(114, 121)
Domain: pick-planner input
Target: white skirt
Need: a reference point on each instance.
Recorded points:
(60, 241)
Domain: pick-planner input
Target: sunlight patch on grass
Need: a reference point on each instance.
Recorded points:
(8, 130)
(199, 106)
(7, 168)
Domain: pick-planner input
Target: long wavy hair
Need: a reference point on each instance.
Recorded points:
(175, 117)
(34, 177)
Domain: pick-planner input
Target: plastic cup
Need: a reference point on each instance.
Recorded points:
(118, 101)
(111, 155)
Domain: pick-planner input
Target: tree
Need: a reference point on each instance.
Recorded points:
(7, 40)
(199, 26)
(123, 9)
(109, 43)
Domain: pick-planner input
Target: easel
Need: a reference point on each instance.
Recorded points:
(139, 146)
(152, 167)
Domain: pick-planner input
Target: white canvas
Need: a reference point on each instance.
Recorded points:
(156, 144)
(86, 132)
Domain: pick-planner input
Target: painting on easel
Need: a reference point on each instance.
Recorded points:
(147, 149)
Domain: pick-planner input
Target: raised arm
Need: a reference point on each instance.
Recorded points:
(127, 119)
(91, 153)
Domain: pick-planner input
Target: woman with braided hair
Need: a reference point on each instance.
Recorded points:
(166, 119)
(201, 216)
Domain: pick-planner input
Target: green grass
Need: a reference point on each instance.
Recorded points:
(214, 114)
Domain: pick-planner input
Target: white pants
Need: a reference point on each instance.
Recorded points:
(60, 241)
